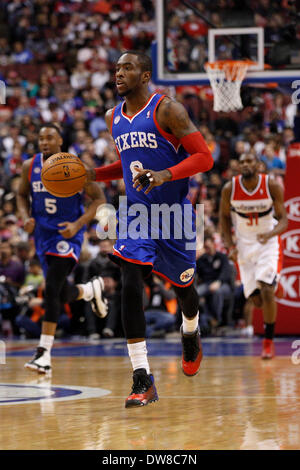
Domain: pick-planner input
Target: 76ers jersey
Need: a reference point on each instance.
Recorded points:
(48, 211)
(141, 142)
(252, 212)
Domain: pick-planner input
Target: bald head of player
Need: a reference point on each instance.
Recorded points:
(249, 164)
(50, 140)
(133, 72)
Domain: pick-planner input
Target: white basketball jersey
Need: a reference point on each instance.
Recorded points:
(252, 212)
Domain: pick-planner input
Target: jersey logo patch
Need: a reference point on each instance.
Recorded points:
(37, 170)
(117, 119)
(62, 246)
(187, 275)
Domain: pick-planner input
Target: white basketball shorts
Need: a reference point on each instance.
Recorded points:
(258, 262)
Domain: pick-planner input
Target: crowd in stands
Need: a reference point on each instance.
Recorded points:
(57, 61)
(187, 32)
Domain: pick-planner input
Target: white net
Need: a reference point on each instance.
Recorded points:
(226, 79)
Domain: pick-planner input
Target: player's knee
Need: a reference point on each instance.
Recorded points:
(257, 301)
(132, 278)
(188, 300)
(51, 290)
(267, 292)
(184, 292)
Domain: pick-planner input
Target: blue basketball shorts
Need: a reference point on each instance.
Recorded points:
(50, 242)
(173, 258)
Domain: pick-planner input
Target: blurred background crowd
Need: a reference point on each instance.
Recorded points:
(187, 33)
(57, 60)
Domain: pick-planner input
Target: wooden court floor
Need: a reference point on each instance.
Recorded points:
(233, 403)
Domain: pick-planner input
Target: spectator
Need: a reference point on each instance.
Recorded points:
(25, 109)
(271, 160)
(213, 146)
(21, 55)
(10, 266)
(209, 220)
(9, 141)
(12, 274)
(240, 148)
(195, 27)
(160, 308)
(97, 125)
(80, 76)
(102, 143)
(25, 255)
(100, 75)
(80, 143)
(102, 264)
(29, 320)
(14, 161)
(215, 281)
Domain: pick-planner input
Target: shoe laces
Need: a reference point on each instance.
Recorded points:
(190, 346)
(141, 383)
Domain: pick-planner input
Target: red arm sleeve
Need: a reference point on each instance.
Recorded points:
(200, 159)
(109, 172)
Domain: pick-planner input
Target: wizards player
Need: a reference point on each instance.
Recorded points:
(58, 226)
(154, 137)
(249, 204)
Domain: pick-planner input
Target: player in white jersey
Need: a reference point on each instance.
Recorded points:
(252, 203)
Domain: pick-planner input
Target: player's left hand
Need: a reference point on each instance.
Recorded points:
(152, 178)
(263, 238)
(70, 229)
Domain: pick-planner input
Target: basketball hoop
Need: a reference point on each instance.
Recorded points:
(226, 77)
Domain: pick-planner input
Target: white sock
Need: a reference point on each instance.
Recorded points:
(190, 326)
(138, 356)
(46, 341)
(88, 292)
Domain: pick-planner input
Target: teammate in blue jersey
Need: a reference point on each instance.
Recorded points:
(159, 148)
(58, 225)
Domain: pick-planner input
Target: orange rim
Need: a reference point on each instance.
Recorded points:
(233, 69)
(220, 64)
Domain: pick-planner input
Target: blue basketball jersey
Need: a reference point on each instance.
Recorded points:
(141, 142)
(48, 211)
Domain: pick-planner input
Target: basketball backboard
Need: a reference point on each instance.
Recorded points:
(185, 42)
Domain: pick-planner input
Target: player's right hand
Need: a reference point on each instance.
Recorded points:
(29, 225)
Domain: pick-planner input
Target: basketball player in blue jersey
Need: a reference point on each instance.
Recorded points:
(58, 225)
(154, 137)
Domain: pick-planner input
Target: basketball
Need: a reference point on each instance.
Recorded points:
(63, 174)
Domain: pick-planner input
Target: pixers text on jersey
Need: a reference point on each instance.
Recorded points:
(136, 139)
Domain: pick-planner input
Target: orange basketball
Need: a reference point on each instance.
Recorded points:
(63, 174)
